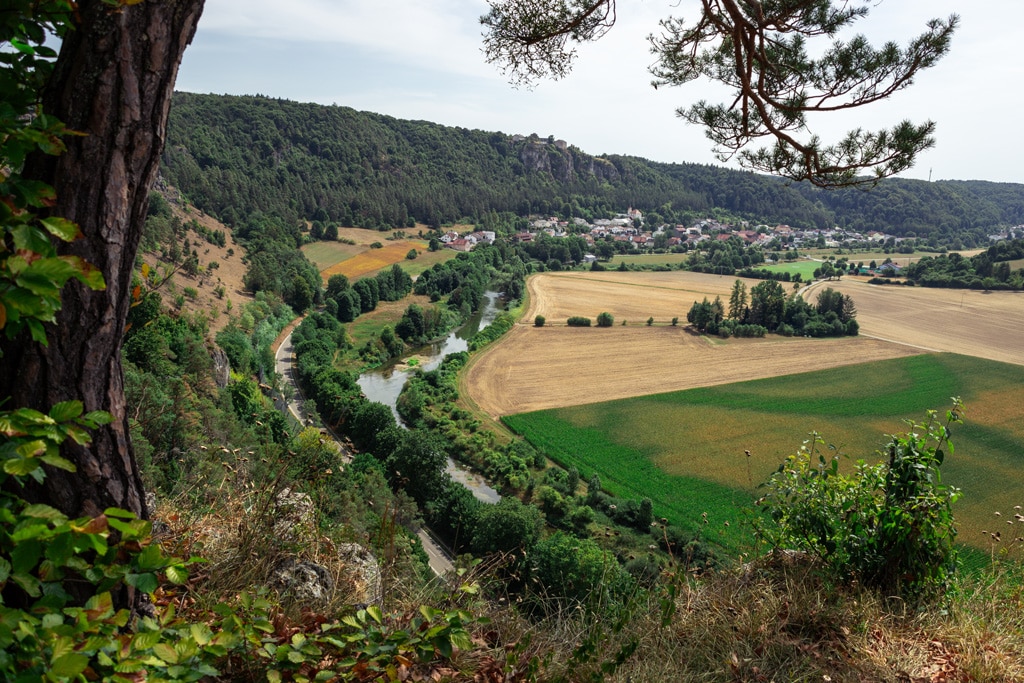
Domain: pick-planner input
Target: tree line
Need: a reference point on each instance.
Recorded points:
(991, 269)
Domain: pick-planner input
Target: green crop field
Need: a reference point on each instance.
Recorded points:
(686, 450)
(804, 268)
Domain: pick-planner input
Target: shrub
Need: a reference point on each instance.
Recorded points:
(888, 525)
(605, 319)
(578, 321)
(539, 321)
(412, 254)
(650, 321)
(572, 571)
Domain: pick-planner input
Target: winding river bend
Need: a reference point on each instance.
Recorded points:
(383, 385)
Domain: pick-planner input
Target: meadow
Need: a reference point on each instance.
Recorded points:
(358, 259)
(686, 450)
(804, 268)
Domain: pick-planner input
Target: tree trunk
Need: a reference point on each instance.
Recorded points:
(112, 82)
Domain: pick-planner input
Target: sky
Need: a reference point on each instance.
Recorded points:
(423, 60)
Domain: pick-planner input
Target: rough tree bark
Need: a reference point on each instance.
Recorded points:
(113, 82)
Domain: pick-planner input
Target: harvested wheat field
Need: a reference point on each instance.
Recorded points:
(630, 297)
(556, 366)
(971, 322)
(534, 368)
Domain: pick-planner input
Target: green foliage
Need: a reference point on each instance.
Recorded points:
(771, 311)
(58, 617)
(539, 321)
(705, 316)
(417, 465)
(372, 643)
(578, 321)
(502, 324)
(420, 324)
(888, 525)
(506, 527)
(989, 270)
(572, 571)
(428, 402)
(32, 273)
(605, 319)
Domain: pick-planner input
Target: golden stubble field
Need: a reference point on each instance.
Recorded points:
(556, 366)
(967, 321)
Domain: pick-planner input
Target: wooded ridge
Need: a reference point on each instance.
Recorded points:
(238, 157)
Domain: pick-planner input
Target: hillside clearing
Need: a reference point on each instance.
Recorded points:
(355, 258)
(227, 274)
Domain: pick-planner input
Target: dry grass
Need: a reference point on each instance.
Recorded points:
(773, 620)
(228, 273)
(784, 624)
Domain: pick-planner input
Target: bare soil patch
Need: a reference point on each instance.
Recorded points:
(971, 322)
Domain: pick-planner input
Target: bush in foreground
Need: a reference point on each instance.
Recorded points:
(888, 526)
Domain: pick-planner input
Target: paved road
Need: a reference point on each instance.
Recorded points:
(284, 358)
(439, 561)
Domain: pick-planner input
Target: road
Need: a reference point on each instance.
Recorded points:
(284, 359)
(284, 363)
(439, 559)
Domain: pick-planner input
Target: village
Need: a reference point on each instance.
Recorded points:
(629, 228)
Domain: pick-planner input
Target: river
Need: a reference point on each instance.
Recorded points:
(383, 385)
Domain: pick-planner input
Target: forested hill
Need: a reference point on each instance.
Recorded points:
(237, 157)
